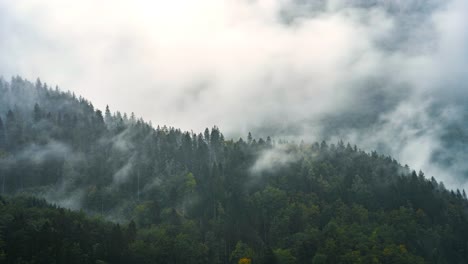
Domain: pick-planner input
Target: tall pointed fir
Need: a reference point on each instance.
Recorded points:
(2, 135)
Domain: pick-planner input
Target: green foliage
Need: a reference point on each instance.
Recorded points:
(284, 256)
(182, 197)
(241, 251)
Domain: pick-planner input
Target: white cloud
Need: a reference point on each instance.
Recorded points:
(246, 65)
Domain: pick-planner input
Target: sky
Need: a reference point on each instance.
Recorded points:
(384, 74)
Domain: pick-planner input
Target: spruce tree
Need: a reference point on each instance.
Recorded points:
(2, 134)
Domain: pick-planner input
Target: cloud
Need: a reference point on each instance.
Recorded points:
(38, 154)
(272, 159)
(368, 71)
(123, 173)
(166, 60)
(68, 199)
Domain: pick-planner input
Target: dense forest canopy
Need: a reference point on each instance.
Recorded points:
(176, 196)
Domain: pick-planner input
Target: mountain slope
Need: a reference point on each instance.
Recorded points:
(202, 198)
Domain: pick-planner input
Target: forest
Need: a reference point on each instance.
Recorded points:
(81, 185)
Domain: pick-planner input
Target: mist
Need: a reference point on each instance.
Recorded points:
(385, 75)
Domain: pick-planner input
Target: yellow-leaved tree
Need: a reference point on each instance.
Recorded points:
(245, 261)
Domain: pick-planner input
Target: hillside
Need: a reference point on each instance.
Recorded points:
(202, 198)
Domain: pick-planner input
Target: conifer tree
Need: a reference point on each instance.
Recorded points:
(2, 135)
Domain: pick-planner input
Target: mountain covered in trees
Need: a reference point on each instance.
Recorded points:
(162, 195)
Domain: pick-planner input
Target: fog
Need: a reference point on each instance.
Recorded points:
(386, 75)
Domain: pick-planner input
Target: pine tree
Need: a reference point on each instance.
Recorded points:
(37, 113)
(38, 83)
(207, 135)
(2, 134)
(12, 132)
(99, 118)
(131, 232)
(107, 115)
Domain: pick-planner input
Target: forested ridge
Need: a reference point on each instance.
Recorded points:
(161, 195)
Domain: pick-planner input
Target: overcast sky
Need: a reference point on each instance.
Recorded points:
(281, 67)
